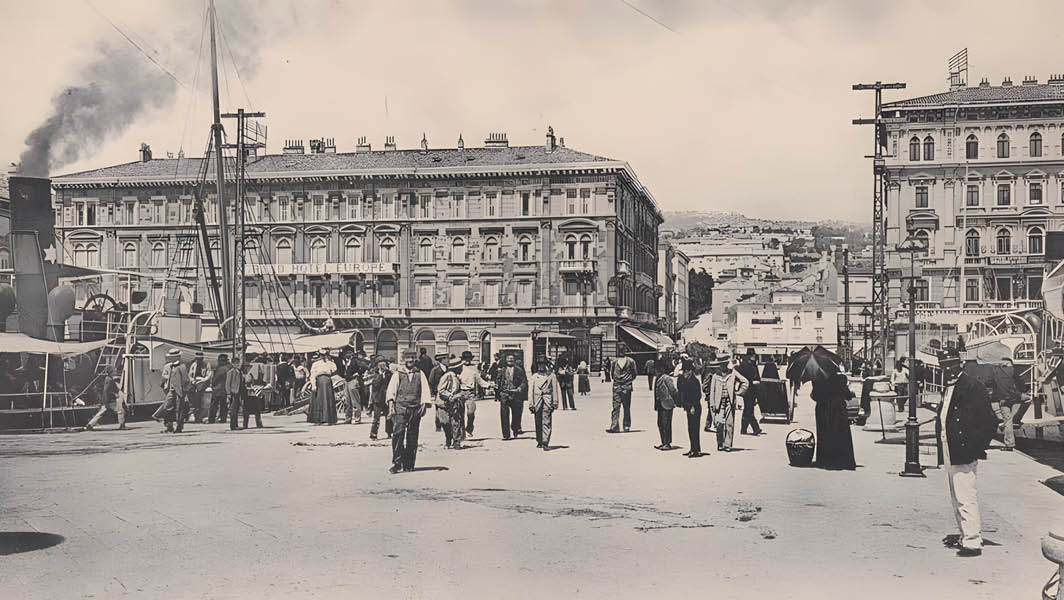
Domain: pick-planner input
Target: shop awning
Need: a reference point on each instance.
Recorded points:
(20, 342)
(648, 337)
(274, 342)
(551, 335)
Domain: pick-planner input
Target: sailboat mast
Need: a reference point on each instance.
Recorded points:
(219, 172)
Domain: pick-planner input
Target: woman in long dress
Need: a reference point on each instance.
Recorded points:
(322, 407)
(834, 444)
(583, 374)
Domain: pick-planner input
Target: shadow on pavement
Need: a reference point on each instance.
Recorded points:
(549, 448)
(418, 469)
(17, 542)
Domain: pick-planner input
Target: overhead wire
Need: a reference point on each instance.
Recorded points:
(133, 43)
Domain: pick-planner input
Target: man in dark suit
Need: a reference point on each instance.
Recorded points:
(968, 425)
(748, 369)
(511, 385)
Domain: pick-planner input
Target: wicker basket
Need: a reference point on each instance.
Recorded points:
(801, 444)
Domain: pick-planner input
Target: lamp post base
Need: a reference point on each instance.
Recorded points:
(912, 449)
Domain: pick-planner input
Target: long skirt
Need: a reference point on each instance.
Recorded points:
(584, 383)
(323, 404)
(834, 443)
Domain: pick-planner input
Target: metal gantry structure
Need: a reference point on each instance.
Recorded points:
(880, 310)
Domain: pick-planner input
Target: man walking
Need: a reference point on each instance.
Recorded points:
(650, 368)
(624, 374)
(748, 370)
(470, 378)
(199, 375)
(424, 361)
(1006, 394)
(543, 390)
(252, 404)
(511, 385)
(690, 391)
(439, 368)
(408, 397)
(665, 396)
(968, 426)
(449, 398)
(113, 400)
(376, 380)
(564, 373)
(235, 391)
(285, 376)
(175, 387)
(348, 369)
(219, 408)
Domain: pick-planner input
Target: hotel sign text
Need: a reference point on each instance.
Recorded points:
(323, 269)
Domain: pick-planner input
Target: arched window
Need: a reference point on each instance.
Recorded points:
(425, 251)
(524, 249)
(427, 340)
(216, 254)
(797, 321)
(491, 250)
(971, 243)
(79, 255)
(929, 148)
(353, 250)
(457, 342)
(1035, 145)
(914, 148)
(1004, 241)
(585, 247)
(971, 147)
(158, 254)
(92, 255)
(283, 250)
(1035, 240)
(923, 238)
(388, 250)
(388, 345)
(458, 250)
(1003, 146)
(129, 255)
(187, 256)
(5, 259)
(319, 251)
(570, 245)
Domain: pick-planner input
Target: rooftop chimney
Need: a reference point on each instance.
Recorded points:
(363, 145)
(181, 154)
(389, 142)
(496, 140)
(424, 142)
(317, 146)
(552, 142)
(145, 152)
(1057, 79)
(330, 145)
(292, 147)
(984, 83)
(1007, 82)
(1030, 80)
(561, 142)
(461, 142)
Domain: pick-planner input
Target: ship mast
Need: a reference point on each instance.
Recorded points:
(219, 173)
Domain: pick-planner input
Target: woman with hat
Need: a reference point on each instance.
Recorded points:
(322, 407)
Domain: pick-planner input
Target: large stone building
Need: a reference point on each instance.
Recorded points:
(784, 321)
(428, 247)
(977, 173)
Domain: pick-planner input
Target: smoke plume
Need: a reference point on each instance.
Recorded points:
(122, 85)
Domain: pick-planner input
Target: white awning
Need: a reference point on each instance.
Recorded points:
(647, 337)
(20, 342)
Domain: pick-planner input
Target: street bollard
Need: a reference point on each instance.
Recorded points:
(1053, 549)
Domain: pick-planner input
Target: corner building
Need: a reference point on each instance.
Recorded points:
(431, 248)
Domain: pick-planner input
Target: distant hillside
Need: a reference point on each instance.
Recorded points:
(684, 220)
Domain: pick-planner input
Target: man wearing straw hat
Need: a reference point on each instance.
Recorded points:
(199, 376)
(175, 385)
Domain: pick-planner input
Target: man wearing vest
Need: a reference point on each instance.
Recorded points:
(512, 385)
(408, 397)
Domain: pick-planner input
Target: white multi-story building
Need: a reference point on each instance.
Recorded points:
(716, 257)
(783, 321)
(976, 173)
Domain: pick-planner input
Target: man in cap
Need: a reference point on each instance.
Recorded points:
(544, 391)
(175, 387)
(749, 371)
(219, 408)
(199, 376)
(968, 426)
(624, 373)
(113, 400)
(470, 378)
(512, 385)
(376, 379)
(408, 397)
(347, 367)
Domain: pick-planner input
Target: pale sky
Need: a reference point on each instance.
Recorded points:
(727, 105)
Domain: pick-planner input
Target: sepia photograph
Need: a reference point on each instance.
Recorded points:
(753, 299)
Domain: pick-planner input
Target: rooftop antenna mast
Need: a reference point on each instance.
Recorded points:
(219, 173)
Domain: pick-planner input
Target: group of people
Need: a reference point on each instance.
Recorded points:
(201, 393)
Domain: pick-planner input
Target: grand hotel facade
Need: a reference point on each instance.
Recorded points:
(431, 248)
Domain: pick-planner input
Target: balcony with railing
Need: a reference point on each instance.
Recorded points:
(580, 265)
(930, 311)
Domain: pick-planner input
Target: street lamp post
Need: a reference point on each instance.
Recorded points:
(912, 246)
(865, 314)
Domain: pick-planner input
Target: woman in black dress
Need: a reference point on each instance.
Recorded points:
(834, 447)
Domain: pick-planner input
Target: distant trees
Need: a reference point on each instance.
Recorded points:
(700, 292)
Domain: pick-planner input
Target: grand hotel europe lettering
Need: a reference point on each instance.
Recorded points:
(427, 247)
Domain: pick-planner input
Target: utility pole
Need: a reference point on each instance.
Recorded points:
(847, 348)
(880, 319)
